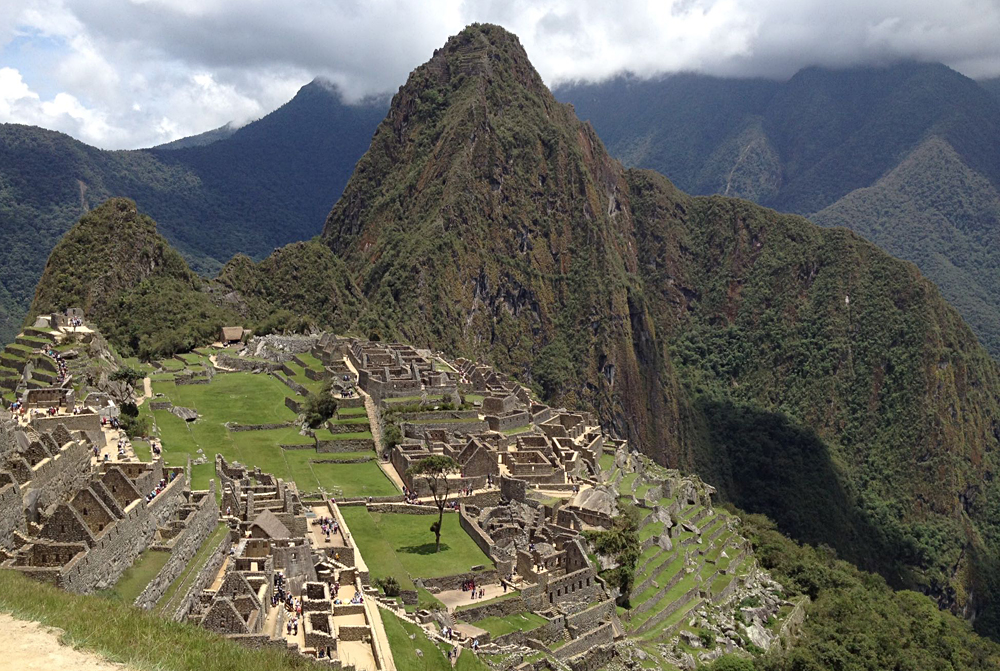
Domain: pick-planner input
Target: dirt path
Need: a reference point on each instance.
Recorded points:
(147, 391)
(30, 646)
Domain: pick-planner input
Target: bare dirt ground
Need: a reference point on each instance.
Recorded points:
(29, 646)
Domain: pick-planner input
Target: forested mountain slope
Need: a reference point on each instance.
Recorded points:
(811, 375)
(267, 184)
(818, 143)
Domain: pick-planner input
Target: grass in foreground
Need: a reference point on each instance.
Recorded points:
(131, 636)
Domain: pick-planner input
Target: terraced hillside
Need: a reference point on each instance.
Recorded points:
(695, 572)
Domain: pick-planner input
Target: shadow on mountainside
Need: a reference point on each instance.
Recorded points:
(764, 463)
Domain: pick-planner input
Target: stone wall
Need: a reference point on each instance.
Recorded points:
(513, 489)
(485, 577)
(293, 405)
(257, 427)
(475, 532)
(597, 657)
(204, 578)
(347, 428)
(291, 384)
(117, 549)
(508, 422)
(603, 635)
(241, 364)
(200, 525)
(11, 510)
(345, 445)
(499, 608)
(416, 430)
(90, 421)
(56, 477)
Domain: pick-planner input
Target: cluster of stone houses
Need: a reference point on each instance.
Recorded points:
(288, 565)
(78, 525)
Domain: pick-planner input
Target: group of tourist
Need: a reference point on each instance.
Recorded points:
(328, 526)
(60, 364)
(409, 496)
(112, 422)
(75, 321)
(470, 586)
(123, 445)
(159, 487)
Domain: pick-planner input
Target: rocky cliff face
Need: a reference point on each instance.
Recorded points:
(809, 374)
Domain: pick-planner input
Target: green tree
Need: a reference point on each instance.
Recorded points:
(621, 542)
(434, 470)
(121, 388)
(320, 406)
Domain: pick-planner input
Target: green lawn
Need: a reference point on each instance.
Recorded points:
(130, 636)
(137, 576)
(347, 412)
(498, 626)
(403, 546)
(606, 462)
(142, 450)
(244, 398)
(431, 657)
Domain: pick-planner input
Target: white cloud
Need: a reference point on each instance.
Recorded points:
(141, 72)
(19, 104)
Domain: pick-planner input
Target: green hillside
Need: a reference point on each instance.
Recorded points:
(803, 371)
(131, 283)
(809, 374)
(908, 156)
(267, 184)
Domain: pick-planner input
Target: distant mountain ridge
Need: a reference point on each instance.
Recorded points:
(266, 184)
(818, 143)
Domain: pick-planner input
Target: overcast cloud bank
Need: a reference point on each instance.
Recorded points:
(132, 73)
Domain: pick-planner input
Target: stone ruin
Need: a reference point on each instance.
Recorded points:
(281, 548)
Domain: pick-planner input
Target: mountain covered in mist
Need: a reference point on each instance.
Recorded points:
(908, 156)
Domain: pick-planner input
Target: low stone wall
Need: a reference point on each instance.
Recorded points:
(293, 405)
(199, 527)
(345, 445)
(241, 364)
(439, 414)
(662, 615)
(191, 380)
(486, 577)
(500, 608)
(353, 402)
(603, 635)
(347, 428)
(405, 508)
(291, 384)
(160, 405)
(205, 577)
(257, 427)
(591, 617)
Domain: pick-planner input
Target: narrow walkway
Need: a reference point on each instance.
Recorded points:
(147, 391)
(376, 427)
(453, 598)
